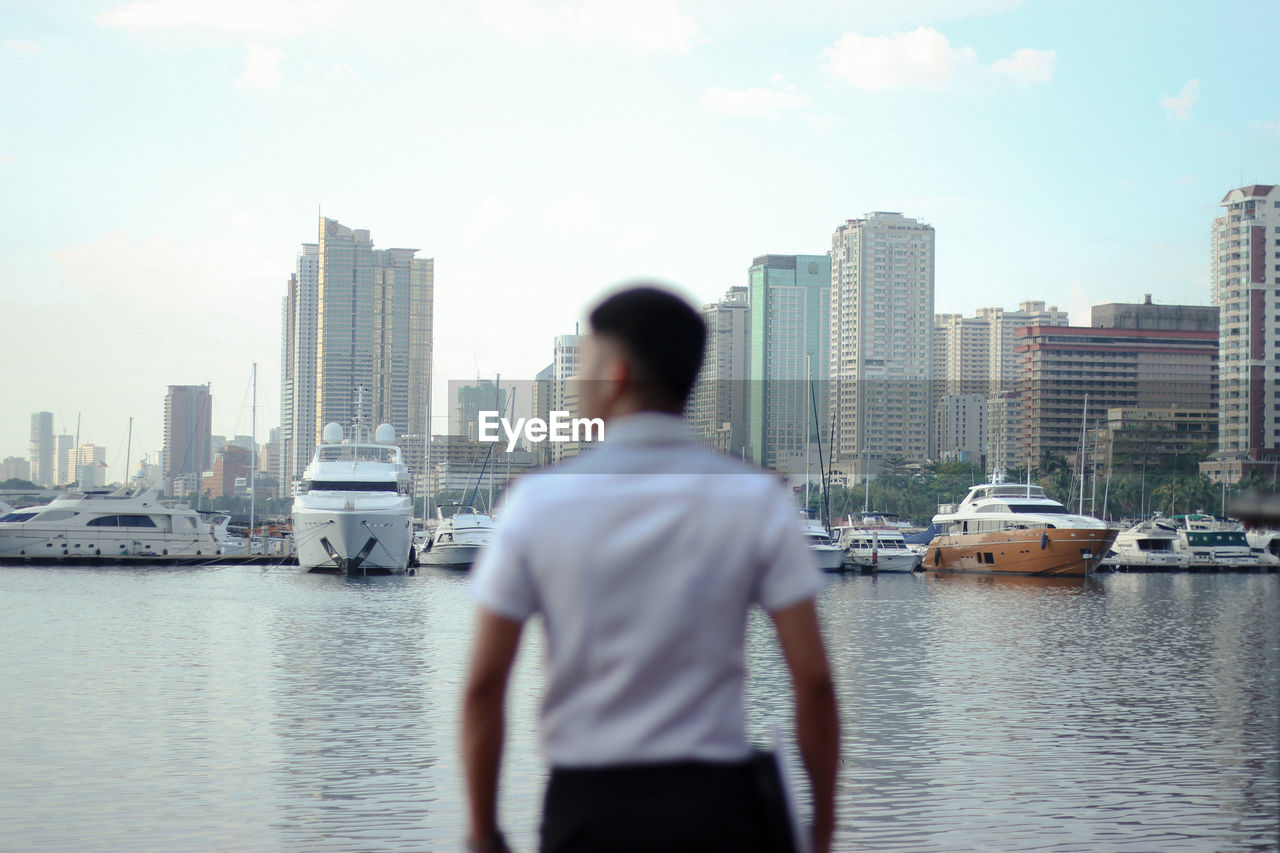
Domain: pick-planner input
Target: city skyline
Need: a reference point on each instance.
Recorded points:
(157, 210)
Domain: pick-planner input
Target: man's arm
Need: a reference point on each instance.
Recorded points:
(496, 641)
(817, 721)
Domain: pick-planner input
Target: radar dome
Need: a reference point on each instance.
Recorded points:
(332, 433)
(385, 434)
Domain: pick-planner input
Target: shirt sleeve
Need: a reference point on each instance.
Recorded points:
(500, 579)
(789, 572)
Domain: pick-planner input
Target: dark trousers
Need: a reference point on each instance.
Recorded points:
(674, 808)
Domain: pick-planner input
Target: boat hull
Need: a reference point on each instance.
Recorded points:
(898, 561)
(77, 543)
(353, 542)
(1066, 552)
(830, 557)
(458, 555)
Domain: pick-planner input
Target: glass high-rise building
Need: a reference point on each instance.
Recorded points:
(188, 433)
(356, 340)
(789, 297)
(40, 449)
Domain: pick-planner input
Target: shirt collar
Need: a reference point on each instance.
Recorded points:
(647, 428)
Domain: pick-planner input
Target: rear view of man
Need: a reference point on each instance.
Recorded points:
(644, 556)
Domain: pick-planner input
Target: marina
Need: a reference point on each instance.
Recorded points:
(218, 708)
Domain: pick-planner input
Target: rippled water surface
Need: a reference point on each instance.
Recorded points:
(234, 708)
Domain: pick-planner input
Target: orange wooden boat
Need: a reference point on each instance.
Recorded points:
(1008, 528)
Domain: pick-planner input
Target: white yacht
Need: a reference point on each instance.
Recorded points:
(877, 549)
(1150, 544)
(122, 523)
(1013, 528)
(829, 555)
(1213, 543)
(355, 516)
(459, 535)
(1265, 545)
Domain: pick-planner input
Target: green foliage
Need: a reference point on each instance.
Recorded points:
(18, 483)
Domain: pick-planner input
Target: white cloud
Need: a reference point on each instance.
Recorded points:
(871, 15)
(657, 25)
(1179, 106)
(24, 47)
(919, 59)
(1027, 65)
(1272, 126)
(925, 59)
(261, 68)
(276, 17)
(769, 102)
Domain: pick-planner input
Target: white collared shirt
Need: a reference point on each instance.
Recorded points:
(644, 556)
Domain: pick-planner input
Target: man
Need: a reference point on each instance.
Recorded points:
(644, 556)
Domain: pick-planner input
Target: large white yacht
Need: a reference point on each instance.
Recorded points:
(1012, 528)
(122, 523)
(877, 549)
(1150, 544)
(830, 556)
(355, 516)
(459, 535)
(1213, 543)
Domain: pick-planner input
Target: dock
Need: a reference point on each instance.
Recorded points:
(267, 560)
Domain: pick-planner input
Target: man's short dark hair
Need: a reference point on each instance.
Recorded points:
(664, 336)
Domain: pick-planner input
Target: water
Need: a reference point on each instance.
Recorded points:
(245, 709)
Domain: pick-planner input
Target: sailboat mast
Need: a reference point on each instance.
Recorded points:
(253, 458)
(1084, 419)
(497, 383)
(426, 458)
(807, 469)
(128, 453)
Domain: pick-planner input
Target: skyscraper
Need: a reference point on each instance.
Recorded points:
(188, 429)
(1132, 357)
(1245, 277)
(718, 404)
(91, 466)
(789, 336)
(975, 355)
(357, 326)
(298, 366)
(882, 285)
(40, 450)
(470, 401)
(564, 394)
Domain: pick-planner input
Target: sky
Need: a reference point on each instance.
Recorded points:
(161, 160)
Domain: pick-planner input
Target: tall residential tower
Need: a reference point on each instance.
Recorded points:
(357, 325)
(1245, 276)
(188, 434)
(882, 284)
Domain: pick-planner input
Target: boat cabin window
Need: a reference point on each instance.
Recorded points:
(1042, 509)
(18, 516)
(358, 453)
(352, 486)
(121, 521)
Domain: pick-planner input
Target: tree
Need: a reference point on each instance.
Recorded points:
(17, 483)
